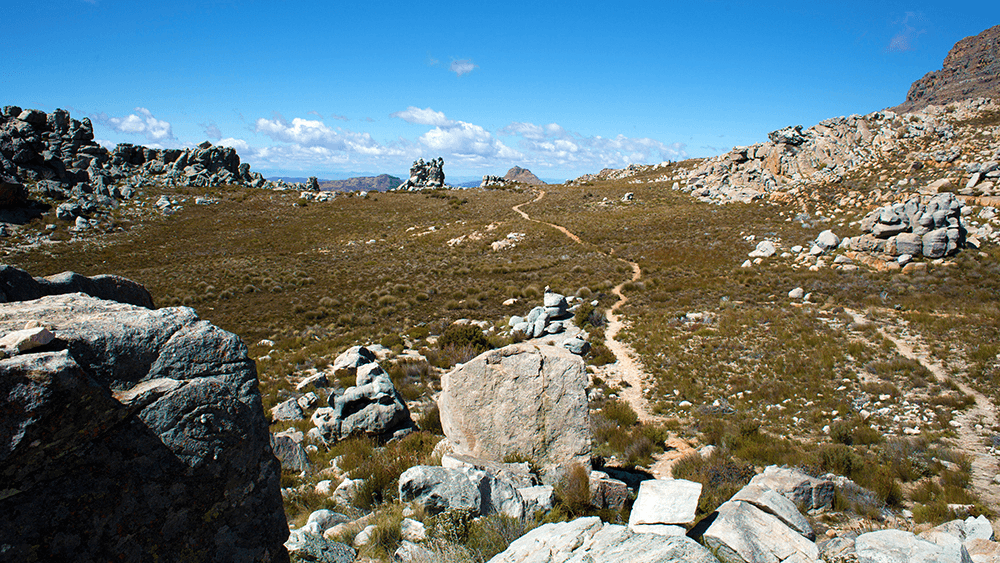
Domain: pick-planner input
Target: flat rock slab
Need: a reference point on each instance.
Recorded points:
(665, 501)
(778, 505)
(588, 540)
(897, 546)
(743, 533)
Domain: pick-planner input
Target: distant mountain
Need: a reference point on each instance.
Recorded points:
(971, 70)
(523, 176)
(379, 183)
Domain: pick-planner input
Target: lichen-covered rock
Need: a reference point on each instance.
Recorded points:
(134, 432)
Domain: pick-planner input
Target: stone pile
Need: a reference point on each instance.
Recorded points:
(130, 431)
(318, 196)
(372, 406)
(553, 317)
(425, 175)
(983, 177)
(928, 226)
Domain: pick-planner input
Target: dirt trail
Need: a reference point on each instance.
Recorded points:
(972, 441)
(627, 371)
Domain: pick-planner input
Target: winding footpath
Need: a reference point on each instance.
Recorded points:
(975, 423)
(627, 372)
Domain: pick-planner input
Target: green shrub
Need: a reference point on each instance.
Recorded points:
(720, 475)
(621, 412)
(464, 336)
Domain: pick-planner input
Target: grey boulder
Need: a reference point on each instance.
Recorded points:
(139, 424)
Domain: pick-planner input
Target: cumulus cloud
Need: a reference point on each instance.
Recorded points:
(552, 146)
(142, 122)
(908, 33)
(312, 134)
(212, 131)
(462, 66)
(423, 117)
(461, 139)
(467, 141)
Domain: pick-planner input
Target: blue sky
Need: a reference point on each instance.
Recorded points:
(561, 88)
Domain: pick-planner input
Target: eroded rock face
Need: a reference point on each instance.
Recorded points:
(969, 71)
(519, 399)
(133, 432)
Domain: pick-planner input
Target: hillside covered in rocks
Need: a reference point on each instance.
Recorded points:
(784, 353)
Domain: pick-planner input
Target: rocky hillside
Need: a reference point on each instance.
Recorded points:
(380, 183)
(522, 176)
(971, 70)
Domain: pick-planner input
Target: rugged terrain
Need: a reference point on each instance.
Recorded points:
(970, 70)
(825, 300)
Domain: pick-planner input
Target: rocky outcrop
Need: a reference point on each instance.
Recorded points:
(425, 175)
(133, 432)
(553, 319)
(18, 285)
(589, 539)
(493, 182)
(372, 406)
(794, 158)
(485, 411)
(59, 156)
(970, 70)
(797, 486)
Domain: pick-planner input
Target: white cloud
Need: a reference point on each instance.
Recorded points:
(315, 134)
(140, 123)
(239, 144)
(552, 146)
(466, 140)
(462, 66)
(423, 117)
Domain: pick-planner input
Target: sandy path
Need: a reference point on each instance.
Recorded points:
(970, 440)
(627, 371)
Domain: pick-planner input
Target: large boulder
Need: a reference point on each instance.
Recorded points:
(133, 432)
(372, 407)
(523, 399)
(590, 540)
(18, 285)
